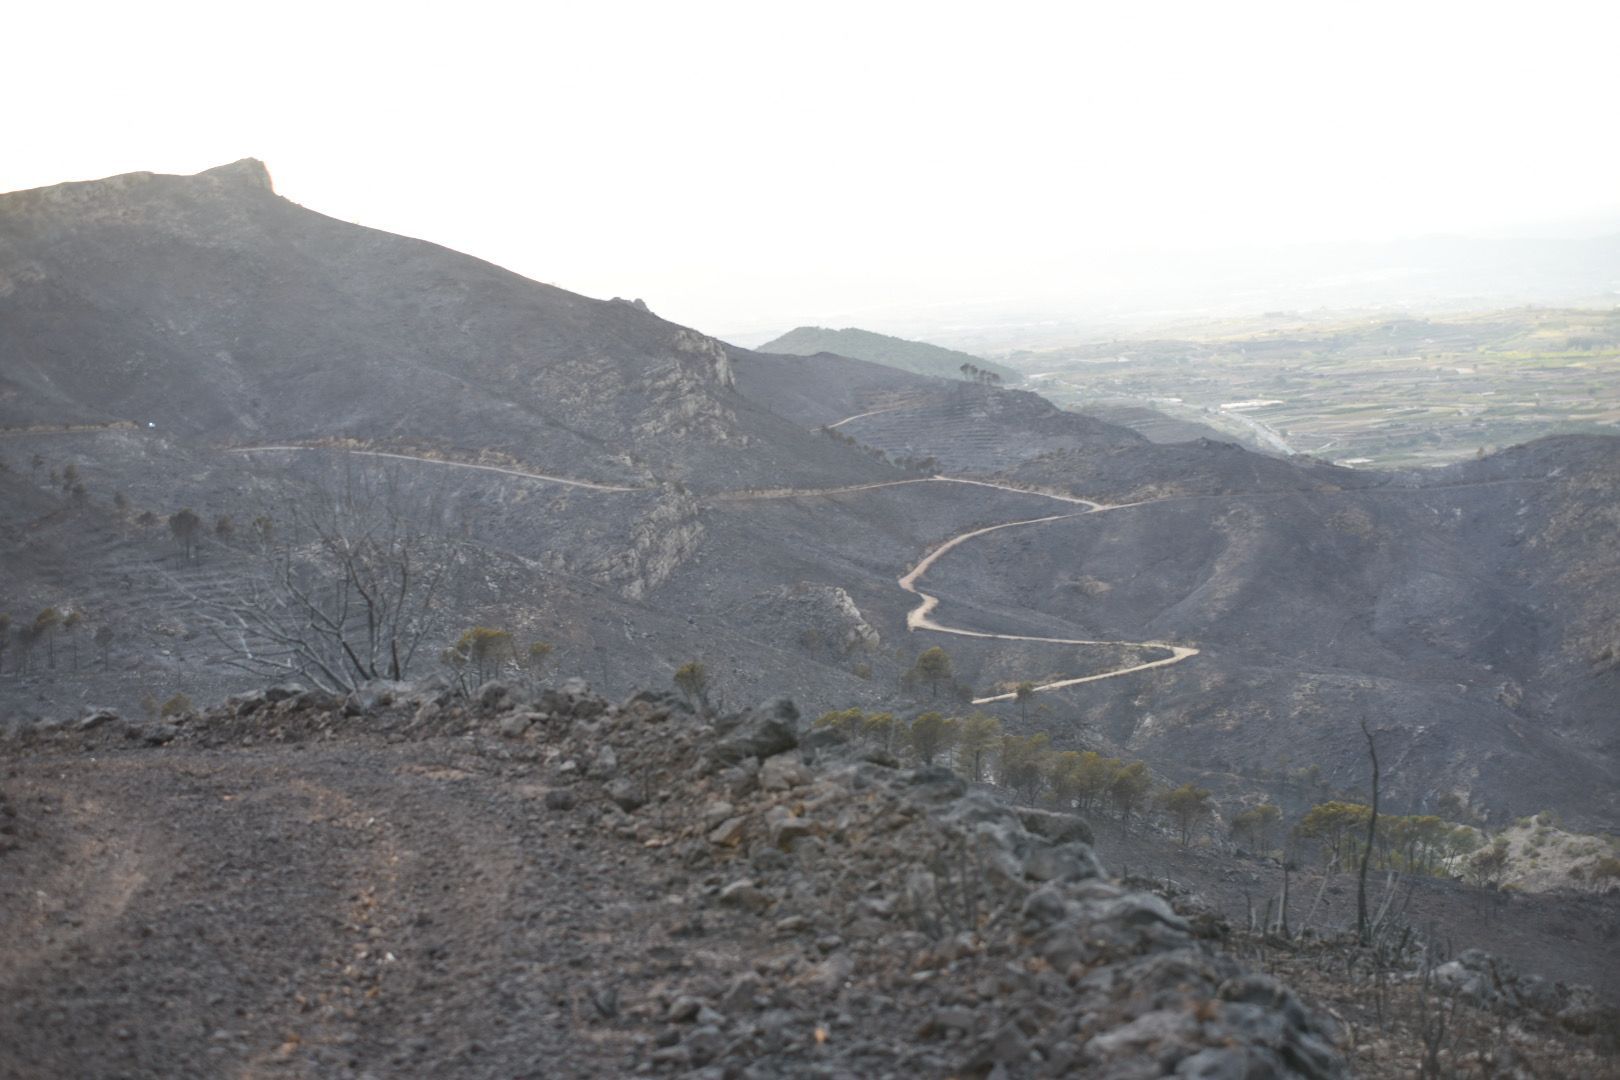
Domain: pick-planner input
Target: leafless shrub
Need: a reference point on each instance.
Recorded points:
(347, 590)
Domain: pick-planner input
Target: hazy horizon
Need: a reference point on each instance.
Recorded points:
(745, 170)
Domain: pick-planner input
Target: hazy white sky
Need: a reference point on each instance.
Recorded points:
(743, 163)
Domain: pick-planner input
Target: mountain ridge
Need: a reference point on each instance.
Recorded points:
(918, 357)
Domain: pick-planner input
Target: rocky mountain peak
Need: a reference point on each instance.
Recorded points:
(249, 173)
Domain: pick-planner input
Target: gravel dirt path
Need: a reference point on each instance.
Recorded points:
(283, 912)
(546, 884)
(590, 484)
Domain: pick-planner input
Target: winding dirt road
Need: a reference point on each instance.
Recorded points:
(921, 617)
(874, 412)
(589, 484)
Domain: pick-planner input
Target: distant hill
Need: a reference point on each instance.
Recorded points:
(915, 356)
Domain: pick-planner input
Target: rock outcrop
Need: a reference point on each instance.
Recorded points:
(821, 619)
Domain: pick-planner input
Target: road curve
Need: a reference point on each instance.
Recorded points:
(849, 489)
(588, 484)
(920, 617)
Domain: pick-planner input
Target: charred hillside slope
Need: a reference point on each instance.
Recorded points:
(641, 495)
(214, 309)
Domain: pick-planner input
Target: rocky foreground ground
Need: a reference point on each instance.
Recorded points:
(548, 884)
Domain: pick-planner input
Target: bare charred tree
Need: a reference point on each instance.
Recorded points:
(45, 625)
(70, 626)
(186, 525)
(348, 591)
(26, 636)
(1362, 929)
(1024, 694)
(104, 638)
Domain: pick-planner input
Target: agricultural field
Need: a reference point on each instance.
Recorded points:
(1374, 391)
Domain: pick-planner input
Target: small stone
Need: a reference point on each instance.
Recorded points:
(1063, 862)
(626, 794)
(97, 715)
(728, 833)
(782, 772)
(739, 996)
(606, 1001)
(1043, 908)
(684, 1010)
(1059, 828)
(676, 1056)
(705, 1044)
(949, 1018)
(786, 827)
(717, 811)
(746, 895)
(834, 971)
(244, 704)
(1007, 1046)
(495, 695)
(514, 725)
(282, 692)
(560, 799)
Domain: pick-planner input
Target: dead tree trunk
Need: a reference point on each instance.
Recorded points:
(1362, 929)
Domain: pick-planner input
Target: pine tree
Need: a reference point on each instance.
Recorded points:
(933, 666)
(979, 733)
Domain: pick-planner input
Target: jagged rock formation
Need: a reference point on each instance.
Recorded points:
(819, 618)
(659, 541)
(799, 907)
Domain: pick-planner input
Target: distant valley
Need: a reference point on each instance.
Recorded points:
(1379, 390)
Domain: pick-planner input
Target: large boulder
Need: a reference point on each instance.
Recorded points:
(763, 732)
